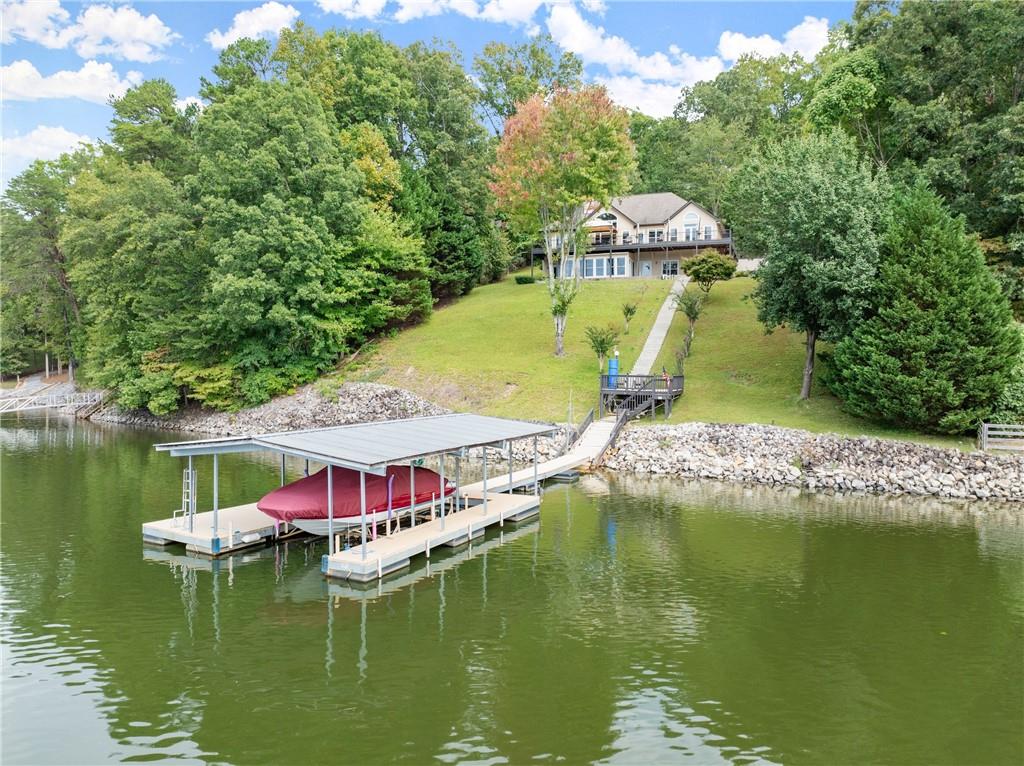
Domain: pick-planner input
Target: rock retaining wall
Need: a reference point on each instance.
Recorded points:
(769, 455)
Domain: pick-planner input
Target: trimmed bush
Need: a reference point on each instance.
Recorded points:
(524, 279)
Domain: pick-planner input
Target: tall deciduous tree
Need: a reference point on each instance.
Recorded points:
(940, 348)
(812, 209)
(511, 74)
(556, 161)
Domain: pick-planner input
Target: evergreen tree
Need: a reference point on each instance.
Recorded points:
(941, 347)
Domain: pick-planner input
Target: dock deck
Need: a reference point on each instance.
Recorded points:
(391, 553)
(238, 527)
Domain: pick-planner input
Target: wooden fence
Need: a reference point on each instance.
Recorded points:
(1001, 436)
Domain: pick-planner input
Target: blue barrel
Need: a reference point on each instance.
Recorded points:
(613, 372)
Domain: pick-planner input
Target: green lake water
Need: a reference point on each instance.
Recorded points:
(635, 622)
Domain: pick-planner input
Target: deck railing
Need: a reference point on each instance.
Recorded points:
(637, 403)
(671, 384)
(1007, 436)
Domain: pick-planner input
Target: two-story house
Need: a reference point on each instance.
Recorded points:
(646, 235)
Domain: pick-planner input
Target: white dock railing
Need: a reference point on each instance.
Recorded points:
(1007, 436)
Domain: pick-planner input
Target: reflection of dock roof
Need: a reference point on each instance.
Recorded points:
(372, 446)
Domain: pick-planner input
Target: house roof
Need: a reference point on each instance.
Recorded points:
(650, 208)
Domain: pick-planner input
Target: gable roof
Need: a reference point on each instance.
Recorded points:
(648, 209)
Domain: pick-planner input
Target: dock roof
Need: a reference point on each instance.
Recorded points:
(373, 446)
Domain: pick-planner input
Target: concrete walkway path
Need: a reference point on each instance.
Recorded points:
(659, 330)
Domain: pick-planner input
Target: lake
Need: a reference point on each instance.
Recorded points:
(636, 621)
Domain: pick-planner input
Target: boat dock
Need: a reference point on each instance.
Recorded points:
(389, 554)
(369, 448)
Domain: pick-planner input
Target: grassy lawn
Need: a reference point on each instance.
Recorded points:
(492, 351)
(738, 374)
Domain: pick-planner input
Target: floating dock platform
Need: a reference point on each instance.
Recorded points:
(241, 526)
(380, 557)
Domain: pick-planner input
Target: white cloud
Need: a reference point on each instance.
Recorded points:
(408, 10)
(181, 104)
(656, 99)
(515, 12)
(96, 82)
(594, 6)
(44, 142)
(265, 21)
(806, 38)
(595, 46)
(353, 9)
(99, 30)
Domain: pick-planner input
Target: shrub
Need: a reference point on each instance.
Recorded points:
(525, 279)
(602, 340)
(709, 266)
(628, 312)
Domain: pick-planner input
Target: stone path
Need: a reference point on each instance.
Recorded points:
(656, 337)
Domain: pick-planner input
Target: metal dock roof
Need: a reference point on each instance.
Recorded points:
(372, 446)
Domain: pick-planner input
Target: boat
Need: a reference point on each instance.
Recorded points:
(303, 503)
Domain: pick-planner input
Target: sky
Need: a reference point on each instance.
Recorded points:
(62, 61)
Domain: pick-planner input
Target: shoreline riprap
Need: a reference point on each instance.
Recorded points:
(756, 454)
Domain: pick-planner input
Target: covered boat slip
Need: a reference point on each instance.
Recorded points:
(366, 448)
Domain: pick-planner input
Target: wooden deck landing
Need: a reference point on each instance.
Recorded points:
(390, 554)
(239, 527)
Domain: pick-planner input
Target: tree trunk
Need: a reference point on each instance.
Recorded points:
(812, 338)
(689, 339)
(559, 335)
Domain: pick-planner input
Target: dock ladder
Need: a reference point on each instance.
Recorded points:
(188, 498)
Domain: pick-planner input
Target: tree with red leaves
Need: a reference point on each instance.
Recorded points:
(559, 160)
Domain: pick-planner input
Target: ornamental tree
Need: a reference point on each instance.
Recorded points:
(708, 267)
(558, 160)
(941, 347)
(812, 210)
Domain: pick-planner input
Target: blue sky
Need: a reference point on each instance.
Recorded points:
(62, 60)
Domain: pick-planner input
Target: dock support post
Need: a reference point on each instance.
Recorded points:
(458, 478)
(441, 491)
(282, 470)
(330, 509)
(485, 480)
(412, 493)
(216, 500)
(536, 486)
(510, 466)
(362, 509)
(191, 495)
(306, 472)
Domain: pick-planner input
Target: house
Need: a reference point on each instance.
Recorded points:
(646, 235)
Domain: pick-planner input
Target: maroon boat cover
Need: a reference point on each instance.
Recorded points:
(307, 497)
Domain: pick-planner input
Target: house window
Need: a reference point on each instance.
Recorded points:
(625, 237)
(690, 223)
(598, 266)
(656, 235)
(568, 268)
(603, 239)
(620, 266)
(588, 267)
(708, 233)
(673, 235)
(640, 237)
(670, 268)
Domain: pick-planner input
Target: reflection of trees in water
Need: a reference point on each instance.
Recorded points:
(636, 614)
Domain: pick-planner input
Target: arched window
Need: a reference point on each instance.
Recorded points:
(690, 223)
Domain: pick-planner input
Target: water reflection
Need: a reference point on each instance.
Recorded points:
(635, 621)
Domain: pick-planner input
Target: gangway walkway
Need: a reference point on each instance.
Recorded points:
(44, 401)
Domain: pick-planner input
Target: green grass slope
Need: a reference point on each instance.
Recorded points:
(492, 351)
(738, 374)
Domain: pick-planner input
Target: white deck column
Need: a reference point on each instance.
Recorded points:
(412, 493)
(330, 509)
(458, 478)
(362, 508)
(191, 510)
(282, 470)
